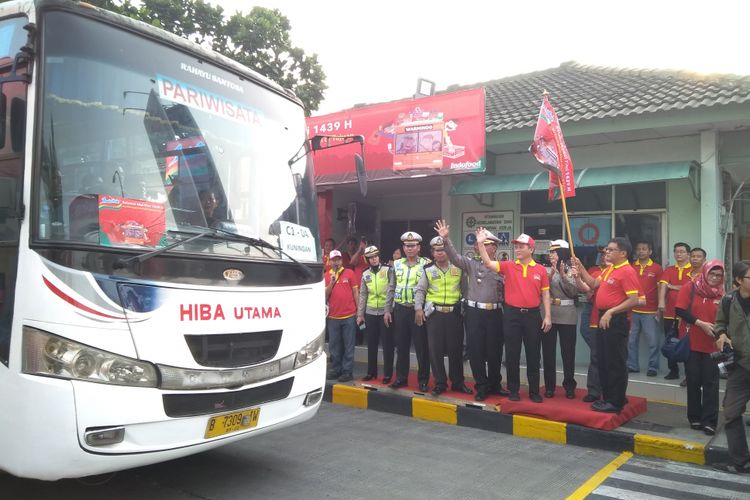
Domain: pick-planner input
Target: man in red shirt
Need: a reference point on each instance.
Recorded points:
(617, 291)
(526, 286)
(588, 328)
(644, 318)
(670, 283)
(341, 295)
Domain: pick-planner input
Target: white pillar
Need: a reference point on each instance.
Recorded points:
(710, 202)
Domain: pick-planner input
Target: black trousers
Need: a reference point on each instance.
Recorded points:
(672, 365)
(702, 389)
(522, 325)
(445, 336)
(612, 351)
(735, 402)
(567, 334)
(484, 338)
(405, 329)
(375, 329)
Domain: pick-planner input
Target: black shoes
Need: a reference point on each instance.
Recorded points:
(368, 377)
(332, 375)
(672, 376)
(463, 390)
(536, 398)
(481, 396)
(423, 387)
(549, 394)
(498, 390)
(631, 370)
(398, 384)
(696, 426)
(570, 393)
(513, 396)
(347, 377)
(590, 398)
(386, 380)
(604, 407)
(437, 391)
(651, 373)
(709, 431)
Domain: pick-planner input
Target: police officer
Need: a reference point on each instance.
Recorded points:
(439, 293)
(483, 315)
(370, 311)
(399, 308)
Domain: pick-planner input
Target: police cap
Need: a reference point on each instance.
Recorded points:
(437, 243)
(411, 236)
(371, 251)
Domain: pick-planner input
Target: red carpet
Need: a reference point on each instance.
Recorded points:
(559, 408)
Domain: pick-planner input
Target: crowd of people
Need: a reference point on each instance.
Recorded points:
(501, 306)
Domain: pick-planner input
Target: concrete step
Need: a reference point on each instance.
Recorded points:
(651, 388)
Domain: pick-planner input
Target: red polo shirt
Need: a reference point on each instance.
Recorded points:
(359, 268)
(703, 309)
(523, 283)
(674, 275)
(648, 276)
(617, 282)
(341, 303)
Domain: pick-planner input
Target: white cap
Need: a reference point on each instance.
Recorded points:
(437, 243)
(334, 254)
(555, 244)
(411, 236)
(491, 238)
(371, 251)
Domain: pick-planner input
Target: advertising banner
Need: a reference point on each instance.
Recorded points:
(126, 221)
(498, 223)
(436, 135)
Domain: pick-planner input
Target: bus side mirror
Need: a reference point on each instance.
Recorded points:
(359, 165)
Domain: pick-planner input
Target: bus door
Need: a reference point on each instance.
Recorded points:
(12, 142)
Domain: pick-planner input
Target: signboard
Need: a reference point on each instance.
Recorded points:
(297, 241)
(436, 135)
(591, 231)
(499, 223)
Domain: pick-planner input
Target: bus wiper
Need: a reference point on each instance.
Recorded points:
(123, 263)
(260, 244)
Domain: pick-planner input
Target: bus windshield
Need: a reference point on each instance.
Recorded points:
(142, 143)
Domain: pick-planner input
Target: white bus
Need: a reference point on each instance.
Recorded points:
(160, 278)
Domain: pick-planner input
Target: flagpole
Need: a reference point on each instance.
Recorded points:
(565, 213)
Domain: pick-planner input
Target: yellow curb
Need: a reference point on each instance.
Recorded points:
(598, 478)
(350, 396)
(435, 411)
(537, 428)
(670, 449)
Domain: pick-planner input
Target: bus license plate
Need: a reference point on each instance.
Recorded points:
(232, 422)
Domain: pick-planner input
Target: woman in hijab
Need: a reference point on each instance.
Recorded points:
(696, 306)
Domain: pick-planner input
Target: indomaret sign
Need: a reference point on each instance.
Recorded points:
(436, 135)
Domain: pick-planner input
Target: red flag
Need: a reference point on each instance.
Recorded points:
(549, 149)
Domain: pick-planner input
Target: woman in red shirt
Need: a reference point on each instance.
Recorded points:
(698, 319)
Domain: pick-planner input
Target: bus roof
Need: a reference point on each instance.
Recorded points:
(88, 10)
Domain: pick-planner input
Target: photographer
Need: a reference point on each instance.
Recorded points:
(733, 329)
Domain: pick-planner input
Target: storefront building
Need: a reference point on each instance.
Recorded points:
(658, 155)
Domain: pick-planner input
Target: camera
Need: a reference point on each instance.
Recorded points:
(725, 359)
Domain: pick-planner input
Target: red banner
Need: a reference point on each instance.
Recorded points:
(127, 221)
(436, 135)
(550, 150)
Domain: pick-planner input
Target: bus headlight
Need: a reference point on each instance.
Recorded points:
(53, 356)
(311, 351)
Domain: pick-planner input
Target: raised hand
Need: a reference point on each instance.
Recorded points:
(481, 235)
(442, 229)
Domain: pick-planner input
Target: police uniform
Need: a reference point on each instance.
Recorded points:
(372, 297)
(402, 281)
(438, 293)
(483, 319)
